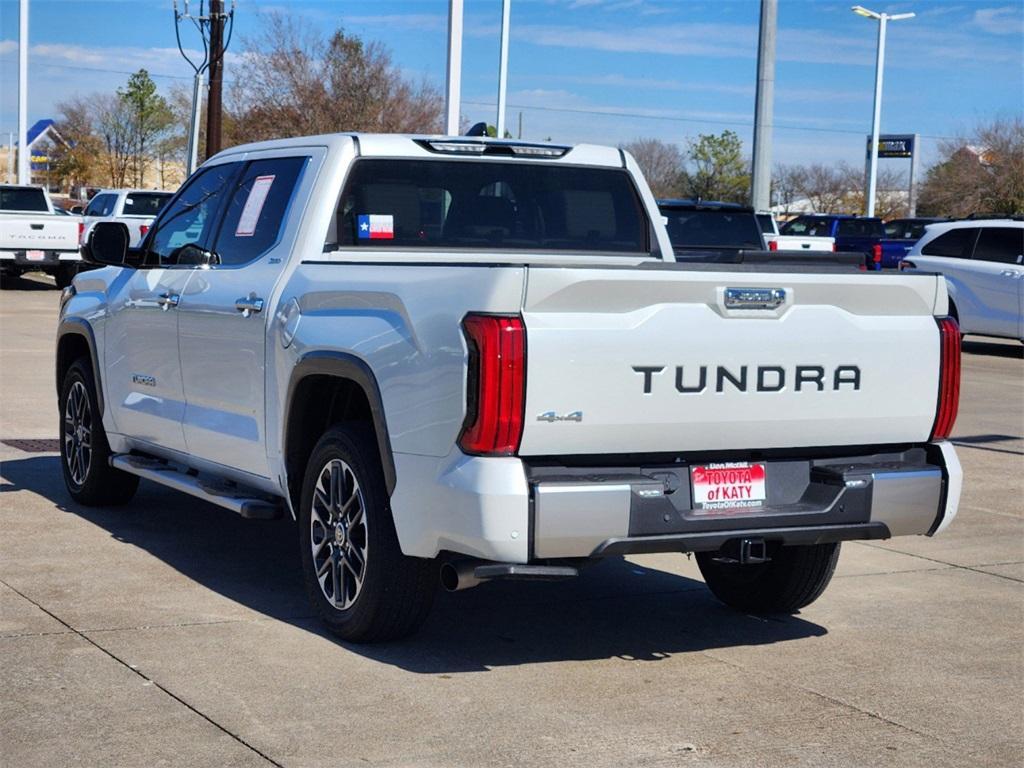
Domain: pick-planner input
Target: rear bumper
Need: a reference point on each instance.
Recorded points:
(595, 513)
(21, 260)
(510, 511)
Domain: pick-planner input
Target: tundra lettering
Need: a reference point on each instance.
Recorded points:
(770, 378)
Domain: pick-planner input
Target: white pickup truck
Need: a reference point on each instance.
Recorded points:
(799, 236)
(34, 237)
(477, 358)
(135, 208)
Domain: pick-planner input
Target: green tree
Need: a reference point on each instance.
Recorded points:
(149, 118)
(718, 170)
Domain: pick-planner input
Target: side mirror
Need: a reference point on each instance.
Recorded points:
(107, 244)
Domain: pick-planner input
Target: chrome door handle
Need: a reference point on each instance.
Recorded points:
(168, 300)
(249, 305)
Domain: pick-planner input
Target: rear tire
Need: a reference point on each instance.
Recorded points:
(794, 578)
(84, 451)
(357, 579)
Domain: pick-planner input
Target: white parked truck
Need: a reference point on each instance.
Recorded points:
(34, 237)
(135, 208)
(478, 358)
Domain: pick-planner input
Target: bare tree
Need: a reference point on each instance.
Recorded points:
(983, 173)
(662, 164)
(296, 82)
(113, 124)
(787, 181)
(79, 161)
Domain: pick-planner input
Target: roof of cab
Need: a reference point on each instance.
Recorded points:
(416, 146)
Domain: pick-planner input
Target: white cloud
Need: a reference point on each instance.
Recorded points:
(1006, 20)
(8, 46)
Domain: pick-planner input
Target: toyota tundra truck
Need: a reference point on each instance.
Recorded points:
(462, 359)
(34, 237)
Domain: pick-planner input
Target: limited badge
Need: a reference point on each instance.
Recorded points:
(376, 226)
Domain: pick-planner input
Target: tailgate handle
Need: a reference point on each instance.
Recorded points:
(754, 298)
(37, 226)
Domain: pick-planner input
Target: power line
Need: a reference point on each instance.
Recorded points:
(677, 119)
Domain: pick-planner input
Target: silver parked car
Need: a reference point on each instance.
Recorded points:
(983, 261)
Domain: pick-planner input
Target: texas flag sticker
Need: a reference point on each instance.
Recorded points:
(376, 227)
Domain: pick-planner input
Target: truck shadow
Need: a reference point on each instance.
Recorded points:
(615, 609)
(979, 345)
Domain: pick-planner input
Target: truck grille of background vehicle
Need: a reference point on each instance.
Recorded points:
(496, 384)
(949, 378)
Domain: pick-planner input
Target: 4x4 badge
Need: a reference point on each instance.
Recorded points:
(551, 416)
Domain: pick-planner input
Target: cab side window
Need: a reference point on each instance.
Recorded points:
(101, 205)
(1002, 244)
(190, 219)
(257, 209)
(956, 244)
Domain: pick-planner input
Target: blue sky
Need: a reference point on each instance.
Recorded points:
(600, 70)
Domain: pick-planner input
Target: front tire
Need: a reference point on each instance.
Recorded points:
(794, 578)
(361, 585)
(84, 451)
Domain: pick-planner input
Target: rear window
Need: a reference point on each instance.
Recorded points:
(21, 199)
(1002, 244)
(712, 229)
(144, 203)
(860, 228)
(517, 206)
(956, 243)
(808, 226)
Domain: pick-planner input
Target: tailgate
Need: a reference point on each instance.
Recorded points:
(635, 360)
(50, 233)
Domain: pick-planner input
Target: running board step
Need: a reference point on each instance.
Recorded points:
(248, 503)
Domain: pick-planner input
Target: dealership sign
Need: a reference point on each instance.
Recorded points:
(893, 145)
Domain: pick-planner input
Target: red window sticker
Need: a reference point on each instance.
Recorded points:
(253, 206)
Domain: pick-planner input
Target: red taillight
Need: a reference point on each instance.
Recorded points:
(143, 229)
(949, 378)
(773, 245)
(81, 231)
(876, 255)
(835, 248)
(496, 385)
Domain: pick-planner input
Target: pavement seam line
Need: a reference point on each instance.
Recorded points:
(831, 699)
(975, 569)
(146, 677)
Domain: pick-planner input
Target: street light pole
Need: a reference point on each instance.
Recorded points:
(454, 74)
(503, 69)
(876, 117)
(24, 153)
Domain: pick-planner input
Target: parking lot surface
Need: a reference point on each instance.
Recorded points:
(171, 632)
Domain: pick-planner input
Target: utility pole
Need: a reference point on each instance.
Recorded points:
(24, 153)
(503, 68)
(213, 102)
(761, 182)
(211, 33)
(454, 73)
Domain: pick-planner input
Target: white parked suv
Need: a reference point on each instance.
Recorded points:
(479, 358)
(136, 208)
(983, 262)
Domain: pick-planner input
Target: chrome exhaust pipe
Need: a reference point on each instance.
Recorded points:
(459, 575)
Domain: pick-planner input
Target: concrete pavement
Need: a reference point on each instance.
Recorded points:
(174, 633)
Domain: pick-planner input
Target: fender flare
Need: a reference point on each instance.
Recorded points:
(343, 365)
(80, 327)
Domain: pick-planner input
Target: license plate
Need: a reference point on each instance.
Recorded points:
(35, 255)
(731, 485)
